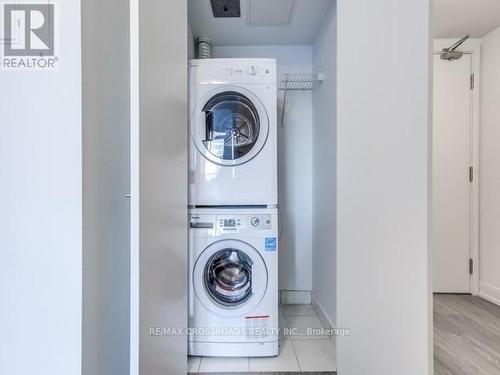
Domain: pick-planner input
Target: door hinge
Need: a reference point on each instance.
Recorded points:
(471, 174)
(472, 81)
(471, 266)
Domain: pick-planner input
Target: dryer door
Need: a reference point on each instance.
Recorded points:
(230, 278)
(230, 126)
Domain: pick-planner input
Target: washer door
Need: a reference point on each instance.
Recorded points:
(230, 278)
(230, 126)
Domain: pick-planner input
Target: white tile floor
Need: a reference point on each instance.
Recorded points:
(298, 352)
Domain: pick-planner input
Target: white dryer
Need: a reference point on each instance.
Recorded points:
(233, 145)
(233, 282)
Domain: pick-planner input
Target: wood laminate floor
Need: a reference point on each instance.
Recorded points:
(466, 336)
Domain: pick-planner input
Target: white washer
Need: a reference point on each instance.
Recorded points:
(233, 126)
(233, 282)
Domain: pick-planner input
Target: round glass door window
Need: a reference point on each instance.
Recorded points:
(231, 126)
(228, 277)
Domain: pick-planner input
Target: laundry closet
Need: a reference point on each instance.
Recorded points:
(279, 57)
(351, 232)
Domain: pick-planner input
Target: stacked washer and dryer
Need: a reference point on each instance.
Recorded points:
(233, 234)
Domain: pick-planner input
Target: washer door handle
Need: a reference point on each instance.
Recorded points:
(209, 131)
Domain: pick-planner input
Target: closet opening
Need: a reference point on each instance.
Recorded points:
(262, 170)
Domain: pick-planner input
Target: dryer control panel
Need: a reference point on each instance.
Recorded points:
(231, 223)
(232, 71)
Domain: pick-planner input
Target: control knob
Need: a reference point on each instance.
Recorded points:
(255, 221)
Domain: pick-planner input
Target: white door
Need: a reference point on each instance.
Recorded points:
(451, 186)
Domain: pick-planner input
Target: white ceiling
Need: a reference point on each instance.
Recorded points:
(455, 18)
(305, 21)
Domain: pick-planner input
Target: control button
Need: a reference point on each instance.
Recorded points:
(255, 221)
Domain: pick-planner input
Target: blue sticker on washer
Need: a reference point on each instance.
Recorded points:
(271, 244)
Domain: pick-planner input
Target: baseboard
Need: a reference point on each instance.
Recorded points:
(295, 297)
(489, 292)
(326, 321)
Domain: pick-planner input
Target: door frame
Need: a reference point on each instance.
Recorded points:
(471, 47)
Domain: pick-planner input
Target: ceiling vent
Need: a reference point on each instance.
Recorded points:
(226, 8)
(270, 13)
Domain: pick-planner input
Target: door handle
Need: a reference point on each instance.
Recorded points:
(209, 133)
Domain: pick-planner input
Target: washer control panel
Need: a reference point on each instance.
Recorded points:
(235, 223)
(231, 223)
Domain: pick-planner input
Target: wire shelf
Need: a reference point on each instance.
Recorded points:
(298, 82)
(301, 81)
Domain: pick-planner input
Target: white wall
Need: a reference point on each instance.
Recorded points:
(294, 163)
(383, 118)
(324, 169)
(489, 184)
(41, 204)
(106, 182)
